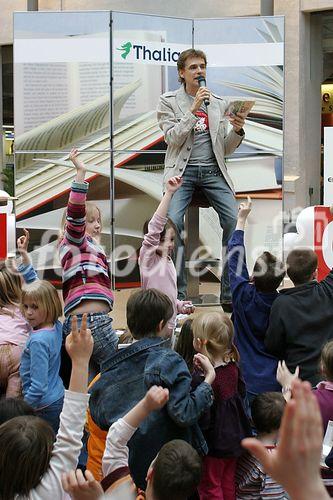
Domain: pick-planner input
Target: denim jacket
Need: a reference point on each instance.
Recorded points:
(125, 378)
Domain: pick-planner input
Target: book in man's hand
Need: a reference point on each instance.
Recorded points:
(239, 106)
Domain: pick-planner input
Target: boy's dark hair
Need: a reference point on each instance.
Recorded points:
(168, 225)
(26, 445)
(326, 360)
(184, 345)
(176, 471)
(301, 264)
(14, 407)
(145, 310)
(183, 56)
(268, 272)
(267, 410)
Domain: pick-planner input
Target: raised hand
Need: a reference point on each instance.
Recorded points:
(78, 164)
(284, 376)
(295, 464)
(22, 246)
(156, 398)
(23, 242)
(80, 487)
(244, 209)
(174, 184)
(79, 343)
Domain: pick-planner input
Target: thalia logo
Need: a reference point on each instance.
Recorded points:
(126, 47)
(156, 52)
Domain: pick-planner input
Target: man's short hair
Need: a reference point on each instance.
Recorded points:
(301, 264)
(145, 310)
(183, 56)
(268, 272)
(176, 471)
(267, 410)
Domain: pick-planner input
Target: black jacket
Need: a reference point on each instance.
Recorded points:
(301, 322)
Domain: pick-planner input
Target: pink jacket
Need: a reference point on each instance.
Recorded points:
(157, 271)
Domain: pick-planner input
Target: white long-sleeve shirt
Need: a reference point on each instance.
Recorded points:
(66, 449)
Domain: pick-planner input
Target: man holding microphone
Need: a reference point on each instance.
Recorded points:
(195, 130)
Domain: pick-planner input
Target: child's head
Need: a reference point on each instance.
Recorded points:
(41, 304)
(213, 334)
(184, 345)
(10, 287)
(302, 265)
(167, 237)
(268, 272)
(175, 473)
(267, 410)
(14, 407)
(326, 361)
(26, 445)
(93, 221)
(148, 312)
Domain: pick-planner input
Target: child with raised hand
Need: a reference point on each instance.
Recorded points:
(228, 423)
(323, 390)
(14, 328)
(40, 362)
(252, 299)
(31, 463)
(157, 269)
(296, 461)
(174, 473)
(86, 273)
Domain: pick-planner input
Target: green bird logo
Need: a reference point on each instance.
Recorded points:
(126, 47)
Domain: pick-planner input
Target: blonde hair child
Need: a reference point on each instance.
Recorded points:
(228, 424)
(86, 274)
(14, 328)
(40, 363)
(31, 464)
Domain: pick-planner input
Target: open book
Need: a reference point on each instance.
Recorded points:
(239, 106)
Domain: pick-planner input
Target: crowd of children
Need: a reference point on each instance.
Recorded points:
(163, 422)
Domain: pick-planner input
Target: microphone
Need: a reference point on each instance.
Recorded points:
(202, 83)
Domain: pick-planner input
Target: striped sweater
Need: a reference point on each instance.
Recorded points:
(86, 273)
(252, 483)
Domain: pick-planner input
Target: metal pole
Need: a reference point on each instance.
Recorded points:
(267, 7)
(32, 5)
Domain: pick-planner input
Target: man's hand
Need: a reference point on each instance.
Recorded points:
(80, 487)
(174, 184)
(202, 363)
(295, 464)
(237, 121)
(201, 95)
(156, 398)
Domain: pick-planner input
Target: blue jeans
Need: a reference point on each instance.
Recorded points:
(105, 343)
(51, 414)
(210, 180)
